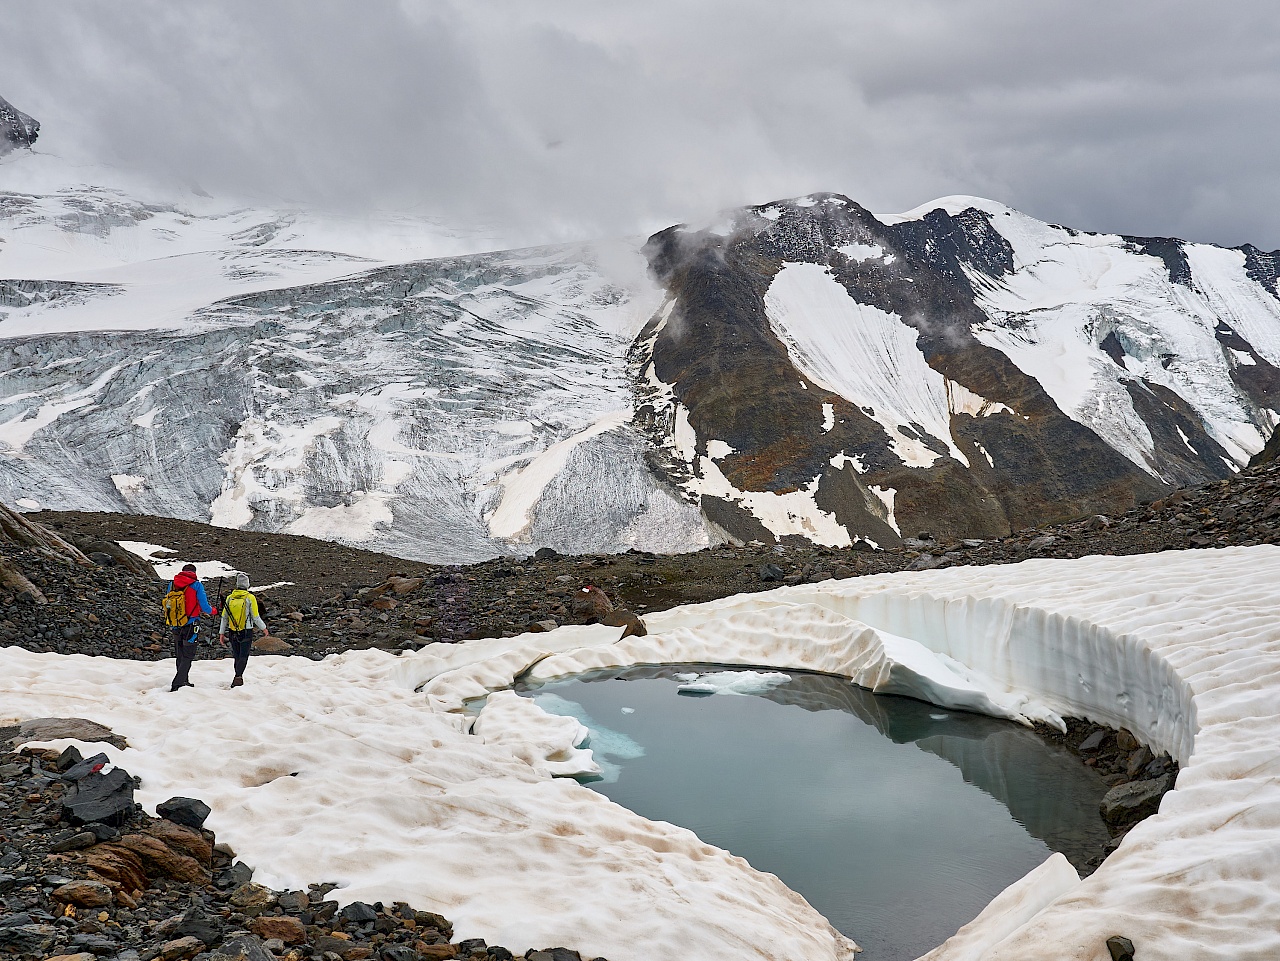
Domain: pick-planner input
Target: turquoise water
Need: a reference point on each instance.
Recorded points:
(898, 820)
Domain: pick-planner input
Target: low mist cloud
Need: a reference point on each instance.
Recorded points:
(576, 118)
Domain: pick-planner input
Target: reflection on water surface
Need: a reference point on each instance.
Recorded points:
(896, 819)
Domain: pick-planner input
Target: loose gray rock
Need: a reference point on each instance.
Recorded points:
(184, 810)
(1121, 948)
(358, 912)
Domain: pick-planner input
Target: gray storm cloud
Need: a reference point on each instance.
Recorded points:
(569, 118)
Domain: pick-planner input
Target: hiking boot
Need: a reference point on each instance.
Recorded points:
(237, 681)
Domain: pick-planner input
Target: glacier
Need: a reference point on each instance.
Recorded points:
(364, 760)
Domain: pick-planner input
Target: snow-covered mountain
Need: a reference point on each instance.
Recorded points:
(961, 368)
(802, 368)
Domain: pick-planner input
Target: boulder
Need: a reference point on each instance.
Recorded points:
(243, 948)
(196, 922)
(184, 810)
(76, 842)
(83, 894)
(542, 627)
(178, 950)
(105, 798)
(1126, 741)
(631, 623)
(287, 929)
(1120, 948)
(590, 604)
(273, 645)
(27, 938)
(358, 912)
(403, 585)
(85, 767)
(252, 899)
(771, 573)
(1127, 803)
(68, 759)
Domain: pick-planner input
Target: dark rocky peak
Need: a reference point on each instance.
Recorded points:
(1263, 267)
(16, 128)
(946, 242)
(1169, 250)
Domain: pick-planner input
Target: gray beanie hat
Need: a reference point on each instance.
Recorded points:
(242, 581)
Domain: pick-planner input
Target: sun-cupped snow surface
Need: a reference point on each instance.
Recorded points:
(868, 357)
(1069, 291)
(333, 770)
(356, 768)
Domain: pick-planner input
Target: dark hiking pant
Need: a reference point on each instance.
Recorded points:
(241, 645)
(184, 651)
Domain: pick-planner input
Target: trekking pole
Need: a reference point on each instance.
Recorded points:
(217, 610)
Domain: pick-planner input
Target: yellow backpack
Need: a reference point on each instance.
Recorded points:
(175, 608)
(239, 607)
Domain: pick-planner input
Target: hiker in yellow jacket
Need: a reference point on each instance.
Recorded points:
(238, 612)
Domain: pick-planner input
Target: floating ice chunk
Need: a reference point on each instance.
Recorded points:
(628, 710)
(731, 682)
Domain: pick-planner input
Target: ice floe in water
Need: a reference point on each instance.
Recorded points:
(730, 682)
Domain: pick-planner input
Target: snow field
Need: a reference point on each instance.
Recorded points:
(343, 770)
(331, 769)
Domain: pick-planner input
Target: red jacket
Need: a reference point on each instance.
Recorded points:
(193, 591)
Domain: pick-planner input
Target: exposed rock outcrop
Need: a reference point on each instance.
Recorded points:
(16, 128)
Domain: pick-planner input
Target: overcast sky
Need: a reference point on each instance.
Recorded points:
(574, 118)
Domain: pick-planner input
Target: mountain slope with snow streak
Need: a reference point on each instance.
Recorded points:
(962, 368)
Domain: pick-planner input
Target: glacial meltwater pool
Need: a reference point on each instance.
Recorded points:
(896, 819)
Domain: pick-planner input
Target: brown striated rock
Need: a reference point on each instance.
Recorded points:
(162, 861)
(116, 863)
(287, 929)
(184, 840)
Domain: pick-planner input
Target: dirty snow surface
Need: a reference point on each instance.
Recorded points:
(362, 768)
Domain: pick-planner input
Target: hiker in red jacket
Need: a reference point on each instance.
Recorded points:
(183, 605)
